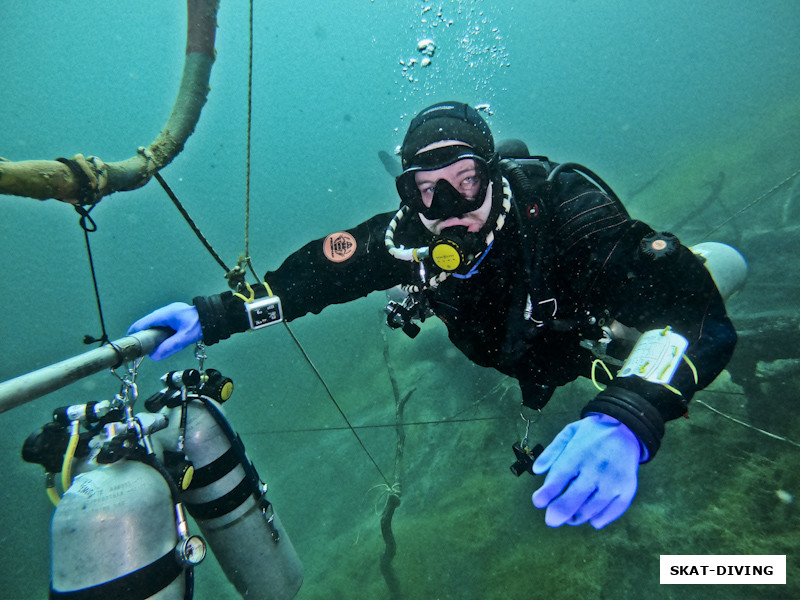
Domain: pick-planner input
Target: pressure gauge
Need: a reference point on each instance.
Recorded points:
(191, 551)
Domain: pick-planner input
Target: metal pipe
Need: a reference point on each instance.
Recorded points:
(36, 384)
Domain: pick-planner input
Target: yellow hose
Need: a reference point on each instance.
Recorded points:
(66, 467)
(50, 486)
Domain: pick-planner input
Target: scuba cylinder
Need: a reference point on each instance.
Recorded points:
(727, 266)
(118, 531)
(225, 495)
(113, 536)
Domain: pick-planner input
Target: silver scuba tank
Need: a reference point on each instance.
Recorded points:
(726, 264)
(113, 535)
(227, 502)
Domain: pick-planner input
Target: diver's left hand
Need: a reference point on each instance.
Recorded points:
(593, 465)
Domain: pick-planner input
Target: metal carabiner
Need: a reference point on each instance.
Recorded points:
(528, 422)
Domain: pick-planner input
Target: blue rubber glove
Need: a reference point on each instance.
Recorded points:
(593, 465)
(181, 318)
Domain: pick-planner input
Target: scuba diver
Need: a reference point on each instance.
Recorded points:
(538, 271)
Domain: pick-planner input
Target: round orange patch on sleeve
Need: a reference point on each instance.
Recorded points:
(339, 246)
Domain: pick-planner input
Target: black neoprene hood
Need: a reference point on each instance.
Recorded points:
(446, 121)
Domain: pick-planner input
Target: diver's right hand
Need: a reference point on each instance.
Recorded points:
(181, 318)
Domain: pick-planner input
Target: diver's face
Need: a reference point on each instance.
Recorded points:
(463, 176)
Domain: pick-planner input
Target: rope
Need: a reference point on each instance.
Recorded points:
(336, 404)
(89, 226)
(250, 264)
(249, 129)
(377, 425)
(189, 220)
(236, 276)
(753, 427)
(752, 204)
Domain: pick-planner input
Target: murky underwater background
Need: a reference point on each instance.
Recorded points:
(689, 110)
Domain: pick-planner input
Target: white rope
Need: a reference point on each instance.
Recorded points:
(735, 420)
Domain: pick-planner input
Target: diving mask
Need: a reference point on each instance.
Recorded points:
(448, 200)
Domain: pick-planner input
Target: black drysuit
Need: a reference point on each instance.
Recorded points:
(568, 251)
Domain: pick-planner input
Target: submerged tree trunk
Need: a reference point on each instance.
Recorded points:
(394, 493)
